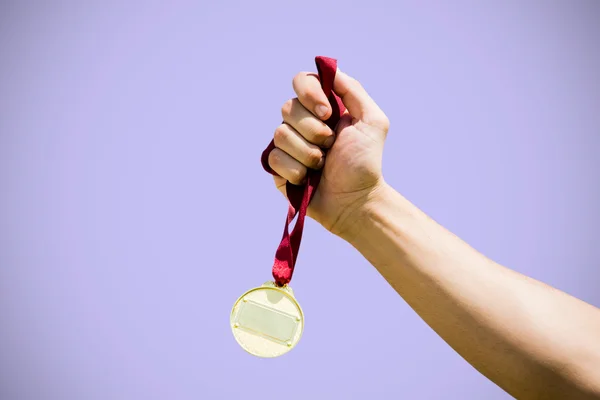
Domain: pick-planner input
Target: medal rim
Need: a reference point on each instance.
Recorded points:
(268, 286)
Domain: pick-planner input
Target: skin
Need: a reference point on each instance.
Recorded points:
(532, 340)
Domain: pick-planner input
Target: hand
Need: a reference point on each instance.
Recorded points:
(352, 169)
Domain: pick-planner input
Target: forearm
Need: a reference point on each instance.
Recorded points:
(527, 337)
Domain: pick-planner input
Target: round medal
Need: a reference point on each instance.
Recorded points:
(267, 321)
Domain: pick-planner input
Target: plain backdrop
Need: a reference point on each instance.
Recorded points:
(134, 211)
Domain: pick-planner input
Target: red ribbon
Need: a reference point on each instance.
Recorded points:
(299, 196)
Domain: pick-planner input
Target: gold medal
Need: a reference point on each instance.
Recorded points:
(267, 321)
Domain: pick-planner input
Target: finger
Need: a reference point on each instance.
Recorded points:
(280, 184)
(290, 141)
(311, 128)
(308, 89)
(287, 167)
(358, 102)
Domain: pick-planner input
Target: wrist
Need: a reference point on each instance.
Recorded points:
(359, 216)
(383, 204)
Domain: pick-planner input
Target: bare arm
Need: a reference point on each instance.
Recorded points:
(532, 340)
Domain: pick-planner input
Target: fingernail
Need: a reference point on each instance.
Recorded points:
(321, 110)
(329, 141)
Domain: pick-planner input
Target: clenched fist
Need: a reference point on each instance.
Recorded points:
(351, 175)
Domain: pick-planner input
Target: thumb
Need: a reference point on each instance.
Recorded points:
(358, 102)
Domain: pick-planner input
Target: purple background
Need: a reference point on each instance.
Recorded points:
(134, 210)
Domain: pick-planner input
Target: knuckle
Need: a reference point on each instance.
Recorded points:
(297, 80)
(313, 158)
(307, 88)
(354, 84)
(275, 158)
(296, 175)
(320, 133)
(291, 172)
(383, 122)
(286, 109)
(280, 137)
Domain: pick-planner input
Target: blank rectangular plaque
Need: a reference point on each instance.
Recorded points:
(267, 322)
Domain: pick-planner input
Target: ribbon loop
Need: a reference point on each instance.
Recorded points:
(299, 196)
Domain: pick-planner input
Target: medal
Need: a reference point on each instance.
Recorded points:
(267, 321)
